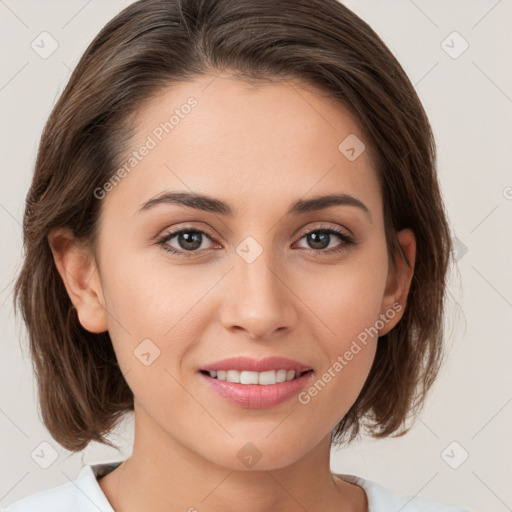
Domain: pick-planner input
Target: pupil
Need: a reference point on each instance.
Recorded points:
(190, 240)
(318, 239)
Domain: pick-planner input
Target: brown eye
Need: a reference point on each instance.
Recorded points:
(188, 242)
(319, 240)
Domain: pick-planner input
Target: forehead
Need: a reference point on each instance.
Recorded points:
(244, 142)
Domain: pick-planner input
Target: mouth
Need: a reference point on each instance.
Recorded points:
(252, 389)
(256, 383)
(255, 378)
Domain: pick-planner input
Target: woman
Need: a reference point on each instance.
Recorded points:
(235, 231)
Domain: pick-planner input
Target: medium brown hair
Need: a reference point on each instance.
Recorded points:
(144, 49)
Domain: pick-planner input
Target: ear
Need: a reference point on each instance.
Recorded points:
(399, 282)
(77, 267)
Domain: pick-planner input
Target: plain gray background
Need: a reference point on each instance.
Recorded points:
(467, 93)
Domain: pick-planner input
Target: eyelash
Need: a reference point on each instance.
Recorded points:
(346, 239)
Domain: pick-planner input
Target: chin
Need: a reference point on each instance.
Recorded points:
(260, 454)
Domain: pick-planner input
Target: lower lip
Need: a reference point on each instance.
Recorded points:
(256, 396)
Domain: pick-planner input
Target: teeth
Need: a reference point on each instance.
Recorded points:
(266, 378)
(281, 375)
(262, 378)
(232, 376)
(249, 378)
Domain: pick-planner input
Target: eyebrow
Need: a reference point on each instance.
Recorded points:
(210, 204)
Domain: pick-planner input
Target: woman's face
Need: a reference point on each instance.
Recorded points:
(257, 273)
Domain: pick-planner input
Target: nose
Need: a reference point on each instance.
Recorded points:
(259, 300)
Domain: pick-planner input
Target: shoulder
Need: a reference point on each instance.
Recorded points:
(381, 499)
(83, 494)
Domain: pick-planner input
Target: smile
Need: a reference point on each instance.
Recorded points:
(248, 377)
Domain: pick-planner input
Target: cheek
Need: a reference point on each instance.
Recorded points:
(152, 297)
(348, 297)
(348, 302)
(156, 312)
(348, 345)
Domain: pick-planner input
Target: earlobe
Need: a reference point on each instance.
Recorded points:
(77, 268)
(399, 283)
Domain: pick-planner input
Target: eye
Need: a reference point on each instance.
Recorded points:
(320, 238)
(189, 241)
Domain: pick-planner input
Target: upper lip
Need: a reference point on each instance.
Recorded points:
(242, 363)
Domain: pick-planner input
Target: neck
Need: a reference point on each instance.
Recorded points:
(162, 474)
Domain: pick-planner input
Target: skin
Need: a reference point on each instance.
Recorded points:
(258, 148)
